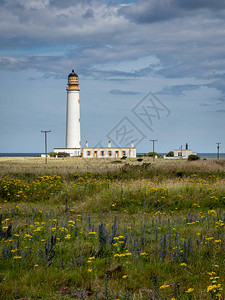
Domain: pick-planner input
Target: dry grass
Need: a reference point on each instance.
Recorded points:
(72, 165)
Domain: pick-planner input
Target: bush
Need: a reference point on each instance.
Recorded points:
(62, 154)
(151, 154)
(52, 154)
(170, 154)
(180, 173)
(139, 159)
(193, 157)
(124, 157)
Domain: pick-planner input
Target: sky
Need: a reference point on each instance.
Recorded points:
(148, 69)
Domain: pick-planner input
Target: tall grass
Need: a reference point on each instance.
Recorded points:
(138, 231)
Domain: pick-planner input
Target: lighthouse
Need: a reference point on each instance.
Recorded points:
(73, 143)
(73, 112)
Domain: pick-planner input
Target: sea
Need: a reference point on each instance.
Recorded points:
(202, 155)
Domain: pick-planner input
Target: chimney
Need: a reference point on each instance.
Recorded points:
(186, 146)
(86, 144)
(109, 144)
(132, 144)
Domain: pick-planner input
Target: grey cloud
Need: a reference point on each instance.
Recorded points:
(123, 93)
(48, 75)
(191, 46)
(178, 90)
(89, 13)
(206, 104)
(34, 22)
(151, 11)
(220, 111)
(163, 10)
(196, 4)
(218, 84)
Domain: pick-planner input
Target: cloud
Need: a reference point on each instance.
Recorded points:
(123, 93)
(220, 111)
(186, 37)
(151, 11)
(164, 10)
(218, 84)
(178, 90)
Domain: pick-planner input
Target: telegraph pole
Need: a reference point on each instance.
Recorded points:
(153, 145)
(45, 132)
(218, 150)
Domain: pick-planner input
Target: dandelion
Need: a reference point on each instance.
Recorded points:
(116, 255)
(124, 276)
(164, 286)
(183, 265)
(217, 241)
(67, 237)
(190, 290)
(92, 233)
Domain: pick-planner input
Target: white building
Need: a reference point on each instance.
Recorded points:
(109, 152)
(181, 153)
(73, 144)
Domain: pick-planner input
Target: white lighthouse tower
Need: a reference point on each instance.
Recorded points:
(73, 144)
(73, 113)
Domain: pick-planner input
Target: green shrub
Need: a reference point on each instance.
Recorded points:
(193, 157)
(180, 173)
(62, 154)
(139, 159)
(155, 154)
(52, 154)
(170, 154)
(151, 154)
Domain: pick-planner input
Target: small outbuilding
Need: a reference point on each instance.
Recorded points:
(181, 153)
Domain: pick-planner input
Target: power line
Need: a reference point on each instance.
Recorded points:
(218, 150)
(153, 144)
(45, 132)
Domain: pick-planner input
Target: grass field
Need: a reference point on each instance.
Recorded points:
(103, 229)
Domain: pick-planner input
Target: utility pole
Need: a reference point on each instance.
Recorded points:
(45, 132)
(218, 150)
(181, 151)
(153, 144)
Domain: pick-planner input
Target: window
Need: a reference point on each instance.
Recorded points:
(117, 153)
(123, 153)
(88, 153)
(110, 153)
(102, 153)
